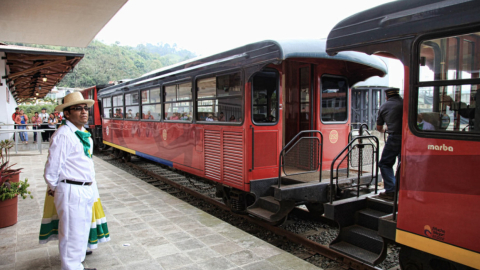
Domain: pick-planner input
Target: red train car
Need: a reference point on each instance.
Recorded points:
(438, 194)
(94, 125)
(227, 117)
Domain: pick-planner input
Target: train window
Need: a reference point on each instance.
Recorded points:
(334, 99)
(448, 73)
(265, 98)
(118, 106)
(150, 112)
(219, 99)
(131, 99)
(107, 107)
(178, 102)
(151, 96)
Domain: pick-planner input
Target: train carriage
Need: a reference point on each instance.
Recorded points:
(438, 187)
(94, 125)
(228, 117)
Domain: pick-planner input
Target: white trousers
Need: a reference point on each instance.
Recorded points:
(74, 208)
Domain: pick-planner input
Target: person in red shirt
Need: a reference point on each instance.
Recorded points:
(37, 122)
(14, 116)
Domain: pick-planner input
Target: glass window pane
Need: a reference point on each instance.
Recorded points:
(179, 111)
(184, 91)
(170, 93)
(450, 58)
(132, 111)
(145, 96)
(118, 112)
(206, 88)
(334, 99)
(131, 99)
(107, 102)
(107, 113)
(155, 95)
(448, 108)
(151, 112)
(265, 97)
(118, 100)
(229, 85)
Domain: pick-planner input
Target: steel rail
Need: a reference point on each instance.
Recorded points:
(301, 240)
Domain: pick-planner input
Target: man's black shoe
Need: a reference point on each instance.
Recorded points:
(89, 252)
(387, 195)
(90, 268)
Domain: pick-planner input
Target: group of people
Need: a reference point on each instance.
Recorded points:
(221, 118)
(42, 120)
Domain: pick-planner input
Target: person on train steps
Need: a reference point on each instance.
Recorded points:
(390, 113)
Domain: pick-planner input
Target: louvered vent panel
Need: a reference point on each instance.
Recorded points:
(212, 154)
(233, 143)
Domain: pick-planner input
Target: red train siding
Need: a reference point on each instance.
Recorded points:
(439, 188)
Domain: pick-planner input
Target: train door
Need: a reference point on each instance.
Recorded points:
(265, 113)
(298, 99)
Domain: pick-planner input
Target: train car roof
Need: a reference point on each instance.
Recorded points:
(400, 20)
(262, 52)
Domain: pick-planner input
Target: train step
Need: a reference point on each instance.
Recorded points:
(369, 218)
(355, 252)
(362, 237)
(310, 192)
(271, 210)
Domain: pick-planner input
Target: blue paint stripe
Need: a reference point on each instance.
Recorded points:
(156, 159)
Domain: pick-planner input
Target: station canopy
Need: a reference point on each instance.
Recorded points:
(33, 72)
(55, 22)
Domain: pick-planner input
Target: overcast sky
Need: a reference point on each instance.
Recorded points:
(211, 26)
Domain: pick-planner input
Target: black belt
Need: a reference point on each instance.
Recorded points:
(77, 183)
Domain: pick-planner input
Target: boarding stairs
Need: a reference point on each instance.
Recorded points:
(301, 180)
(366, 221)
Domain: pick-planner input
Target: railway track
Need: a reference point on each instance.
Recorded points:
(174, 182)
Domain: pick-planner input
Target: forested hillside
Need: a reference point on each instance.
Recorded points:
(103, 63)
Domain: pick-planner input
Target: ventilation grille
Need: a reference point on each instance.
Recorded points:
(213, 154)
(233, 158)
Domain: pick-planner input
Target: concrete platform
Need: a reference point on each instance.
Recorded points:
(150, 229)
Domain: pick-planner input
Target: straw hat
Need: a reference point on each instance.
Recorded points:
(74, 99)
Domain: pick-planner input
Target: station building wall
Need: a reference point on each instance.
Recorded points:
(7, 102)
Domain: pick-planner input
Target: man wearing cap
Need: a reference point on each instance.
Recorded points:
(69, 174)
(44, 124)
(14, 117)
(390, 113)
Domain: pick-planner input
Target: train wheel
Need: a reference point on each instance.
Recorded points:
(315, 209)
(127, 157)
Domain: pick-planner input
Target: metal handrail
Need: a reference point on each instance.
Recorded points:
(342, 152)
(282, 153)
(397, 187)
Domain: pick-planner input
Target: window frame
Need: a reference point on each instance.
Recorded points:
(347, 101)
(164, 102)
(125, 105)
(415, 84)
(277, 73)
(149, 88)
(215, 75)
(103, 107)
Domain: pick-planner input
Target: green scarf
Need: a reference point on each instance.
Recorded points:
(84, 139)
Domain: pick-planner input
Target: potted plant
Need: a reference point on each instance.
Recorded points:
(9, 193)
(6, 172)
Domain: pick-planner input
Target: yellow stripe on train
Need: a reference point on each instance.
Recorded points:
(120, 147)
(444, 250)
